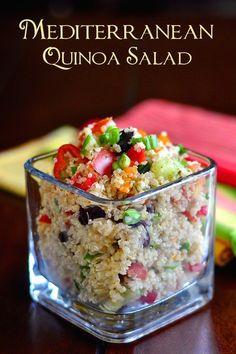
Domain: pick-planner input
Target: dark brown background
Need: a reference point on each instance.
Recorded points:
(35, 98)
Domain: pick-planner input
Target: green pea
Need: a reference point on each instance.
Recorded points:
(104, 138)
(114, 136)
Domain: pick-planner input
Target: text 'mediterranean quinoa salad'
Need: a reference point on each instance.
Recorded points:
(125, 254)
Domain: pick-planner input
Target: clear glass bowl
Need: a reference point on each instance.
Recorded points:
(120, 282)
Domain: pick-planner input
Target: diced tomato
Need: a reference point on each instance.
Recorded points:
(203, 211)
(97, 128)
(85, 183)
(45, 219)
(103, 161)
(150, 298)
(136, 155)
(138, 271)
(189, 216)
(195, 268)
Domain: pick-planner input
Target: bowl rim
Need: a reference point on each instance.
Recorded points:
(29, 167)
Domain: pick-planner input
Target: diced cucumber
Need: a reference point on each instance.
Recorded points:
(89, 143)
(167, 168)
(111, 306)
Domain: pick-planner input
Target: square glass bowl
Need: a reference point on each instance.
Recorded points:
(119, 280)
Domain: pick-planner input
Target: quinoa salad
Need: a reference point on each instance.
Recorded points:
(121, 253)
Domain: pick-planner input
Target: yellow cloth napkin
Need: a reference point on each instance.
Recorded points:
(12, 161)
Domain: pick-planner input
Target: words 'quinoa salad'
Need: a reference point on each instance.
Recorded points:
(129, 253)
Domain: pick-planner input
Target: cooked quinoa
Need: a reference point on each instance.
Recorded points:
(116, 254)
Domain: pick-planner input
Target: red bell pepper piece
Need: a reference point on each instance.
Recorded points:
(84, 183)
(136, 155)
(103, 161)
(60, 164)
(45, 219)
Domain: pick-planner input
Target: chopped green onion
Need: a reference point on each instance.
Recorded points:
(76, 284)
(207, 196)
(182, 149)
(89, 257)
(136, 140)
(84, 271)
(185, 246)
(154, 245)
(153, 140)
(147, 143)
(183, 162)
(171, 266)
(57, 205)
(115, 165)
(131, 216)
(73, 169)
(111, 136)
(124, 161)
(156, 216)
(144, 168)
(89, 143)
(150, 141)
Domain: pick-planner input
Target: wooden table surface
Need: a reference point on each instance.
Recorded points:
(35, 98)
(26, 327)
